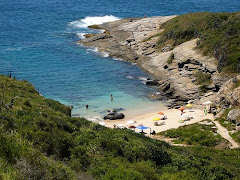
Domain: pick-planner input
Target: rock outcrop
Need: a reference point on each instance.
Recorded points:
(173, 68)
(230, 92)
(234, 116)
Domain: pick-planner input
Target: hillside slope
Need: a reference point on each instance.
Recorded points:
(218, 35)
(39, 140)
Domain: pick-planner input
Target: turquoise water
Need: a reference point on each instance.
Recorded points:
(38, 43)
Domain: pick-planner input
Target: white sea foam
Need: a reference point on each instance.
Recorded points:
(87, 21)
(93, 49)
(104, 54)
(117, 59)
(142, 78)
(81, 35)
(130, 77)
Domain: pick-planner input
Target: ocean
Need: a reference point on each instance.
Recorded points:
(38, 43)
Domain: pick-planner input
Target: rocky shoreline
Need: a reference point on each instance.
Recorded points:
(173, 68)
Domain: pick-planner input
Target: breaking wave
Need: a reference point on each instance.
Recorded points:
(87, 21)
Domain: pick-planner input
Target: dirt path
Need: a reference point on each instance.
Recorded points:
(225, 134)
(168, 140)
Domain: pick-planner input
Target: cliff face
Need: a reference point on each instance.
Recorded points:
(181, 71)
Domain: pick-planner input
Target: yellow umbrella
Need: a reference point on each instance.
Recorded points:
(156, 119)
(189, 105)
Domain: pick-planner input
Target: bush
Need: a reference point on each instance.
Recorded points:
(170, 58)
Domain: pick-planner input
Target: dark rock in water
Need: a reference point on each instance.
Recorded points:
(117, 109)
(152, 82)
(113, 116)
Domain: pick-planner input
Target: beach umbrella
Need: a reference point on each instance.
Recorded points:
(207, 102)
(161, 113)
(142, 127)
(181, 108)
(120, 125)
(102, 123)
(185, 115)
(132, 126)
(131, 122)
(156, 119)
(189, 105)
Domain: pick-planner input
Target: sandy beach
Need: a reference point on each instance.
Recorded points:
(172, 121)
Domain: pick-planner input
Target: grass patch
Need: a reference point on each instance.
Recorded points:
(194, 134)
(170, 58)
(202, 79)
(237, 84)
(236, 136)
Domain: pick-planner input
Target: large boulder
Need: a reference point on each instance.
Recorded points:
(115, 115)
(230, 92)
(234, 116)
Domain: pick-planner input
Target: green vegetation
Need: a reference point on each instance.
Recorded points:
(229, 125)
(202, 79)
(170, 58)
(224, 121)
(218, 33)
(194, 134)
(236, 136)
(39, 140)
(237, 84)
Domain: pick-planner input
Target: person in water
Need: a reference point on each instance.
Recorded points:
(87, 106)
(111, 97)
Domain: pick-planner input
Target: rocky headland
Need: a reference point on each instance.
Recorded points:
(175, 70)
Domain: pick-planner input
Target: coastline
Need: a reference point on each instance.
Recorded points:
(172, 121)
(135, 40)
(124, 39)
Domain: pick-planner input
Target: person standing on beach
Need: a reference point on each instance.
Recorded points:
(181, 111)
(111, 97)
(205, 111)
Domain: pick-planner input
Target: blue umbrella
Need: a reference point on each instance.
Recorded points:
(142, 127)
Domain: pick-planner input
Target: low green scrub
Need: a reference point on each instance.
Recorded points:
(202, 79)
(218, 33)
(194, 134)
(237, 84)
(236, 136)
(170, 58)
(39, 140)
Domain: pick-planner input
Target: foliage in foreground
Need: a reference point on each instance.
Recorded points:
(218, 33)
(39, 140)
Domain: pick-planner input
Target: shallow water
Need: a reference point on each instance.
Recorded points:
(38, 43)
